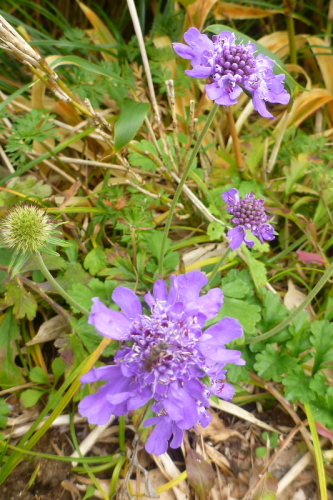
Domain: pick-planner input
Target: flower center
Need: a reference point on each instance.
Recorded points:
(249, 212)
(234, 60)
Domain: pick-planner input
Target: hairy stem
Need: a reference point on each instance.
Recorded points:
(325, 277)
(57, 287)
(182, 182)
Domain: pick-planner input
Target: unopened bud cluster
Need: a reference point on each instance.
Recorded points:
(249, 212)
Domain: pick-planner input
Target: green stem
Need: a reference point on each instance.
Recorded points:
(182, 182)
(218, 265)
(291, 38)
(57, 287)
(317, 452)
(299, 309)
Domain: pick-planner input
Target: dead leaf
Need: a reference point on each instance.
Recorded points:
(216, 430)
(310, 258)
(204, 252)
(50, 330)
(324, 59)
(294, 298)
(308, 103)
(201, 475)
(226, 10)
(219, 459)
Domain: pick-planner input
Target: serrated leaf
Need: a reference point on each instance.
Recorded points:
(132, 115)
(95, 261)
(322, 340)
(271, 365)
(236, 289)
(297, 386)
(279, 65)
(257, 269)
(247, 314)
(73, 274)
(24, 303)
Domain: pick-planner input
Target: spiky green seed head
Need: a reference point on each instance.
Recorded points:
(26, 227)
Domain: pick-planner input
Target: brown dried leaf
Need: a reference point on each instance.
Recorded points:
(201, 475)
(226, 10)
(308, 103)
(216, 430)
(50, 330)
(324, 59)
(294, 298)
(197, 13)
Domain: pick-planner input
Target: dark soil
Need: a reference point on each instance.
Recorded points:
(47, 484)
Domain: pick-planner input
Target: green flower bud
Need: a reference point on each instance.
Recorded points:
(27, 229)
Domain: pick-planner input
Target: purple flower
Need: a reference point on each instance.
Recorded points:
(167, 358)
(231, 67)
(248, 213)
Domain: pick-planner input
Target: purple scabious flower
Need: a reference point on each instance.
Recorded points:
(167, 358)
(232, 67)
(248, 213)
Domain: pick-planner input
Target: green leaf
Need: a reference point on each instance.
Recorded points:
(279, 65)
(236, 289)
(261, 451)
(73, 274)
(322, 340)
(58, 368)
(297, 385)
(95, 261)
(257, 269)
(131, 117)
(23, 301)
(215, 230)
(8, 330)
(38, 375)
(271, 365)
(297, 169)
(4, 410)
(247, 314)
(28, 186)
(30, 397)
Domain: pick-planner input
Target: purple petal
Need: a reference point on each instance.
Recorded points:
(184, 51)
(109, 323)
(127, 301)
(178, 436)
(96, 407)
(189, 285)
(236, 236)
(103, 373)
(199, 71)
(223, 332)
(231, 197)
(211, 303)
(264, 232)
(225, 391)
(158, 440)
(260, 106)
(181, 407)
(160, 290)
(198, 41)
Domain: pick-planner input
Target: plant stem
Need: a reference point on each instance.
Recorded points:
(235, 139)
(218, 265)
(57, 287)
(317, 452)
(291, 37)
(182, 182)
(325, 277)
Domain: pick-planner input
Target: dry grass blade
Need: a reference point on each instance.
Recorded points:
(226, 10)
(324, 59)
(308, 103)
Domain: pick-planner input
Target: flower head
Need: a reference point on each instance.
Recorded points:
(168, 356)
(232, 67)
(28, 229)
(248, 213)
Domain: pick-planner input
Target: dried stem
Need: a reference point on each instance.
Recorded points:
(235, 139)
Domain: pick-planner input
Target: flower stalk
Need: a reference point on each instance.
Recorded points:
(56, 285)
(182, 182)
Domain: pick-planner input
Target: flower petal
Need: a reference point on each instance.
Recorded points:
(127, 301)
(96, 407)
(109, 323)
(198, 41)
(236, 236)
(211, 303)
(231, 197)
(223, 332)
(158, 440)
(200, 71)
